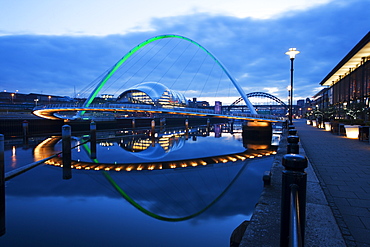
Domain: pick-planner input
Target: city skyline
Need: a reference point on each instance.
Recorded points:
(62, 57)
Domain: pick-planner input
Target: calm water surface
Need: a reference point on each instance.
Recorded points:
(139, 207)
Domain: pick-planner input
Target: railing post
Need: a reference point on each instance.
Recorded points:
(93, 140)
(293, 175)
(293, 146)
(2, 186)
(67, 152)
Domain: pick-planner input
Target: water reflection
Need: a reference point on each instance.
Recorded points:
(166, 151)
(221, 192)
(172, 150)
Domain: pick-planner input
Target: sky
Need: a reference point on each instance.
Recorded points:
(62, 47)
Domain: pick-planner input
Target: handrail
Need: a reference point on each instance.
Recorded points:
(295, 220)
(13, 173)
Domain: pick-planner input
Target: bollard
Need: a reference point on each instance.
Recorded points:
(133, 123)
(2, 186)
(208, 123)
(25, 131)
(292, 132)
(232, 127)
(66, 149)
(266, 178)
(293, 146)
(293, 176)
(93, 140)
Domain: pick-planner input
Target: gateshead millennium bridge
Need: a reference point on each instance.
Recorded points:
(150, 97)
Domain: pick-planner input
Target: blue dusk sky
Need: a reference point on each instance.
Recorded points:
(62, 47)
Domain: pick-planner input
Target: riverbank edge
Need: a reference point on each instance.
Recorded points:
(263, 229)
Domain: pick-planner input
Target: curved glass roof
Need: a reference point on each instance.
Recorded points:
(157, 92)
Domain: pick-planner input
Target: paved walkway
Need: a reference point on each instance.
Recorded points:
(342, 166)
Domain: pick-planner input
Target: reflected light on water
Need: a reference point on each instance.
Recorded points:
(14, 157)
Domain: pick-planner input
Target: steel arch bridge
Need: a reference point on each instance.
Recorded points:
(53, 112)
(159, 37)
(260, 94)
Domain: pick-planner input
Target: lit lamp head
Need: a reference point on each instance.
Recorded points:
(292, 52)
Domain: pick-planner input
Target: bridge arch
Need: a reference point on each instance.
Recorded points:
(141, 45)
(260, 94)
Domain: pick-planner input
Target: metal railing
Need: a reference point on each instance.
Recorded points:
(293, 197)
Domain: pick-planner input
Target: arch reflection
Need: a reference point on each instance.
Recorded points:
(182, 172)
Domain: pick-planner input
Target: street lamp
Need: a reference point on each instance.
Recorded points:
(12, 98)
(291, 53)
(36, 100)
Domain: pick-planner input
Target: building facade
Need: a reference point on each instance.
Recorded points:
(348, 92)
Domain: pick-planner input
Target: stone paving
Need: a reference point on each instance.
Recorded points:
(342, 166)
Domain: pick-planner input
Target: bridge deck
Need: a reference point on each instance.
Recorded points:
(53, 111)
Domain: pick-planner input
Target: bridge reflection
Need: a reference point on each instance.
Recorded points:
(152, 148)
(176, 189)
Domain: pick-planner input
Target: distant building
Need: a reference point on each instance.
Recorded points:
(16, 98)
(218, 107)
(303, 107)
(197, 104)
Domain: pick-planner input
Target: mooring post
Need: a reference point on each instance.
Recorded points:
(293, 146)
(25, 131)
(93, 140)
(66, 151)
(293, 175)
(2, 186)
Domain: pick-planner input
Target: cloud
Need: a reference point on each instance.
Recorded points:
(121, 17)
(252, 50)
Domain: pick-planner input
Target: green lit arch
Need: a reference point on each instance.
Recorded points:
(170, 219)
(141, 45)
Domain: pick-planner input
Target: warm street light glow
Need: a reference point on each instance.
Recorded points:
(292, 52)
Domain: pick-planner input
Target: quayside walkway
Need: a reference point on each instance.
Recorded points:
(338, 193)
(342, 166)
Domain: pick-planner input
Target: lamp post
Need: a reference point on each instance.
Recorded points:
(291, 53)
